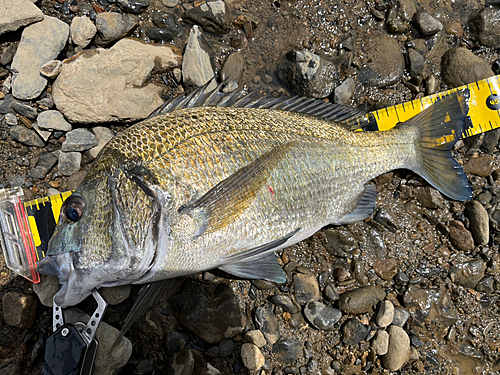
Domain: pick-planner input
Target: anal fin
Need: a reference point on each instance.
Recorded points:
(363, 207)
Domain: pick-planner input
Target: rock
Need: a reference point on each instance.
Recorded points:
(415, 341)
(117, 76)
(480, 166)
(46, 162)
(321, 316)
(24, 110)
(306, 288)
(226, 348)
(331, 293)
(460, 237)
(26, 136)
(385, 62)
(344, 92)
(398, 352)
(266, 321)
(159, 34)
(400, 317)
(69, 162)
(16, 14)
(40, 43)
(427, 24)
(339, 243)
(112, 26)
(145, 367)
(387, 219)
(308, 74)
(82, 30)
(7, 53)
(133, 6)
(167, 21)
(485, 25)
(490, 141)
(385, 314)
(47, 289)
(214, 16)
(233, 67)
(252, 357)
(19, 309)
(109, 358)
(45, 103)
(284, 302)
(425, 305)
(79, 140)
(53, 120)
(170, 3)
(256, 337)
(209, 315)
(460, 67)
(353, 332)
(196, 64)
(6, 104)
(181, 363)
(76, 179)
(386, 269)
(288, 350)
(430, 197)
(479, 222)
(103, 136)
(115, 295)
(485, 285)
(9, 119)
(395, 25)
(380, 343)
(51, 69)
(361, 300)
(468, 274)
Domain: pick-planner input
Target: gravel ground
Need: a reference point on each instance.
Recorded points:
(419, 280)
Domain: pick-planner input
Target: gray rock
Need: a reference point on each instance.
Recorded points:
(19, 309)
(288, 350)
(386, 269)
(344, 92)
(266, 321)
(385, 314)
(51, 69)
(459, 67)
(181, 363)
(252, 357)
(170, 3)
(233, 67)
(18, 13)
(416, 62)
(76, 179)
(115, 295)
(387, 219)
(47, 103)
(167, 21)
(321, 316)
(26, 136)
(226, 348)
(196, 64)
(340, 243)
(120, 82)
(40, 43)
(256, 337)
(460, 237)
(426, 305)
(490, 141)
(427, 24)
(398, 352)
(53, 120)
(47, 289)
(24, 109)
(159, 34)
(485, 285)
(79, 140)
(479, 222)
(430, 197)
(308, 74)
(46, 162)
(331, 293)
(306, 288)
(82, 30)
(214, 16)
(468, 274)
(112, 26)
(400, 317)
(284, 302)
(109, 358)
(361, 300)
(380, 343)
(133, 6)
(353, 332)
(103, 135)
(7, 53)
(485, 24)
(69, 162)
(9, 119)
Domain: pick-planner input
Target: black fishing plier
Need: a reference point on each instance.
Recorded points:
(71, 349)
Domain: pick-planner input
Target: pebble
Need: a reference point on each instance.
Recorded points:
(485, 25)
(321, 316)
(267, 323)
(46, 103)
(133, 6)
(69, 163)
(380, 343)
(252, 357)
(490, 141)
(385, 314)
(51, 69)
(427, 24)
(226, 348)
(233, 67)
(353, 332)
(7, 54)
(386, 269)
(167, 21)
(430, 198)
(344, 92)
(387, 219)
(480, 166)
(459, 67)
(145, 367)
(214, 16)
(170, 3)
(284, 302)
(479, 222)
(119, 82)
(115, 295)
(361, 300)
(454, 28)
(82, 30)
(398, 352)
(331, 293)
(46, 162)
(10, 119)
(40, 43)
(400, 317)
(468, 274)
(53, 120)
(112, 26)
(288, 350)
(416, 62)
(460, 237)
(196, 65)
(306, 288)
(181, 363)
(485, 285)
(76, 179)
(159, 34)
(256, 337)
(19, 309)
(47, 289)
(24, 110)
(103, 136)
(431, 304)
(18, 13)
(79, 140)
(26, 136)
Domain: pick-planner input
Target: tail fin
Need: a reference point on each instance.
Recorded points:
(439, 127)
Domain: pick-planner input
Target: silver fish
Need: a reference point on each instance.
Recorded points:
(199, 186)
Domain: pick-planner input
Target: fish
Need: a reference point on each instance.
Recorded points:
(214, 180)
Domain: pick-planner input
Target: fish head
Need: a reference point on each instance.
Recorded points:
(108, 233)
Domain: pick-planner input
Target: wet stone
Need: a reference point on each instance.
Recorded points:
(264, 284)
(398, 352)
(353, 332)
(266, 321)
(490, 141)
(468, 274)
(485, 285)
(344, 92)
(133, 6)
(385, 314)
(485, 25)
(430, 198)
(26, 136)
(386, 269)
(361, 300)
(214, 16)
(415, 341)
(321, 316)
(112, 26)
(19, 309)
(400, 317)
(479, 222)
(395, 24)
(480, 166)
(331, 293)
(53, 120)
(416, 62)
(288, 350)
(387, 219)
(380, 342)
(460, 237)
(256, 337)
(252, 357)
(79, 140)
(339, 243)
(460, 67)
(167, 21)
(284, 302)
(427, 304)
(427, 24)
(226, 348)
(233, 67)
(181, 363)
(24, 110)
(159, 34)
(306, 288)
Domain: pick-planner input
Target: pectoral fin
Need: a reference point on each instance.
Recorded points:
(364, 206)
(223, 204)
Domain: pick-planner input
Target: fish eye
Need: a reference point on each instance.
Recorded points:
(73, 208)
